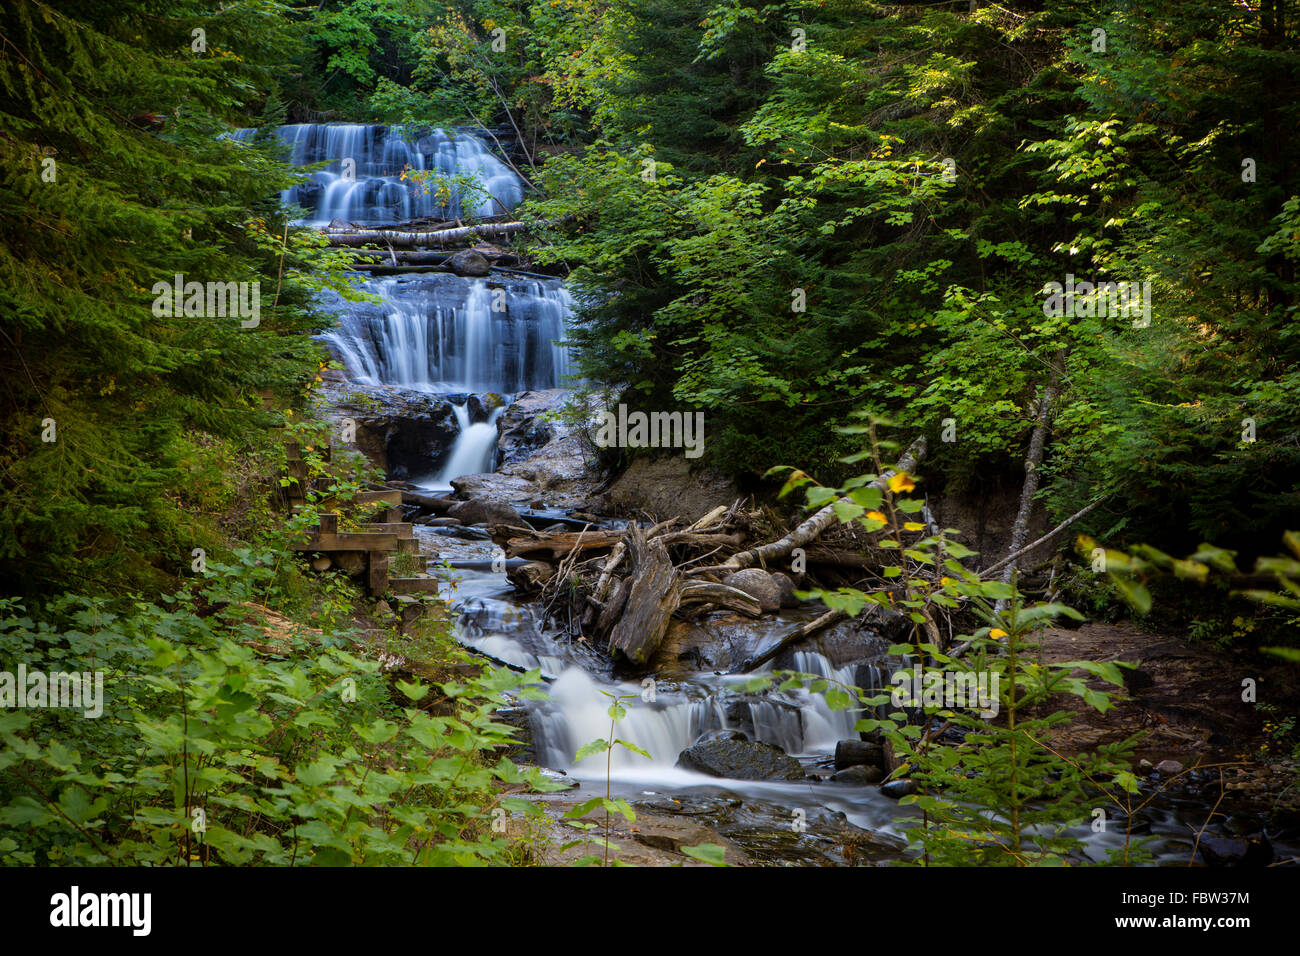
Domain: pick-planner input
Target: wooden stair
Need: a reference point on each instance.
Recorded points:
(377, 540)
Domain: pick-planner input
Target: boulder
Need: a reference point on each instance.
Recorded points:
(895, 789)
(1230, 852)
(469, 263)
(1169, 768)
(758, 584)
(859, 775)
(486, 510)
(853, 753)
(726, 753)
(785, 587)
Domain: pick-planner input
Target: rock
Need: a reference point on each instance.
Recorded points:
(523, 427)
(1146, 765)
(337, 223)
(858, 775)
(352, 562)
(666, 487)
(469, 263)
(382, 609)
(853, 753)
(487, 510)
(726, 753)
(785, 587)
(758, 584)
(1169, 768)
(403, 431)
(321, 563)
(1249, 852)
(432, 522)
(895, 789)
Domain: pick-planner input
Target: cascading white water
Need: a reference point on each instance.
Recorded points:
(473, 451)
(363, 182)
(440, 333)
(577, 713)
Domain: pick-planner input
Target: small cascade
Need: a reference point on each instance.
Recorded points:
(799, 722)
(363, 180)
(473, 452)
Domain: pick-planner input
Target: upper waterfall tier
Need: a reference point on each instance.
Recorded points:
(363, 182)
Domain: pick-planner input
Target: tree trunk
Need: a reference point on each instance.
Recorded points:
(653, 598)
(1033, 464)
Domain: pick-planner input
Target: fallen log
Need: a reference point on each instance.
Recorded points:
(804, 630)
(653, 597)
(416, 239)
(814, 526)
(558, 542)
(733, 599)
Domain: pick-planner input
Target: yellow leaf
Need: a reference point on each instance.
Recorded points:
(876, 515)
(901, 482)
(997, 633)
(913, 526)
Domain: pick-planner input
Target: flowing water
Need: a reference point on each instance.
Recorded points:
(498, 336)
(362, 179)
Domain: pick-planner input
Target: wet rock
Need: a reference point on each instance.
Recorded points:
(785, 588)
(1238, 853)
(853, 753)
(403, 431)
(523, 427)
(432, 522)
(859, 775)
(727, 753)
(469, 263)
(487, 510)
(759, 585)
(895, 789)
(1169, 768)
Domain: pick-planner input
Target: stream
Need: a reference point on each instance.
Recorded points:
(440, 333)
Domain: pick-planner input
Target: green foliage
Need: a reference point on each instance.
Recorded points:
(223, 742)
(120, 179)
(999, 793)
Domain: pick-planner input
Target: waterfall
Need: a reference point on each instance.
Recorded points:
(440, 333)
(362, 181)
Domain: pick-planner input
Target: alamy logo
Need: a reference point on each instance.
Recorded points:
(653, 430)
(1103, 300)
(71, 691)
(74, 909)
(951, 689)
(242, 300)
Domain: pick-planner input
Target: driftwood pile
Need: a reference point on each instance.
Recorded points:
(622, 587)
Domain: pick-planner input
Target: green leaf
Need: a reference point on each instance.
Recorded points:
(709, 853)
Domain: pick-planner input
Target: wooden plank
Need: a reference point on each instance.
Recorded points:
(408, 546)
(377, 572)
(413, 585)
(329, 524)
(391, 497)
(403, 529)
(348, 541)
